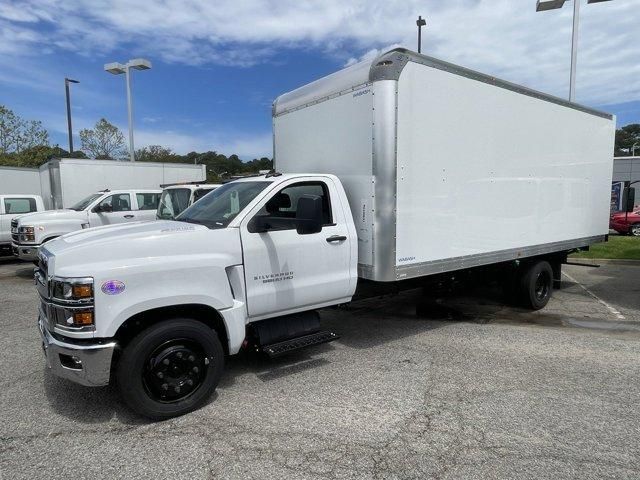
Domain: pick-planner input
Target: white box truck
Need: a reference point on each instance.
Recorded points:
(66, 181)
(390, 202)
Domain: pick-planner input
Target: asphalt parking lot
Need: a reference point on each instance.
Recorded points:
(467, 389)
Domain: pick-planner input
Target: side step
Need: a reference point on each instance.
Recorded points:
(280, 348)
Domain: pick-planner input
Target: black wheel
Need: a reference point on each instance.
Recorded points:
(536, 285)
(170, 369)
(635, 230)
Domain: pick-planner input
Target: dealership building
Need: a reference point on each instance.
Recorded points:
(625, 171)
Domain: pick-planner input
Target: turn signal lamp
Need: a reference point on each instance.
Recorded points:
(82, 291)
(83, 318)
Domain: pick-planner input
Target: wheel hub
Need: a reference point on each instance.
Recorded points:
(175, 370)
(542, 286)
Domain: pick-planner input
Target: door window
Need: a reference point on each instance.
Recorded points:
(19, 205)
(148, 201)
(284, 204)
(119, 202)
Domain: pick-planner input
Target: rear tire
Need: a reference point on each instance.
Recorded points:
(170, 368)
(536, 285)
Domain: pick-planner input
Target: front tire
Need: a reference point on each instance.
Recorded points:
(536, 285)
(635, 230)
(170, 368)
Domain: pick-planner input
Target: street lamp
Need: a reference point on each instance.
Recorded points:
(117, 69)
(633, 149)
(544, 5)
(67, 81)
(421, 22)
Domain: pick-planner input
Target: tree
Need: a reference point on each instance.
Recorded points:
(105, 141)
(17, 134)
(156, 153)
(626, 138)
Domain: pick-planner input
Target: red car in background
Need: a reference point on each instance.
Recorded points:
(630, 225)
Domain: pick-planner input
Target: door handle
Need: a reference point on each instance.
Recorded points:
(128, 216)
(336, 238)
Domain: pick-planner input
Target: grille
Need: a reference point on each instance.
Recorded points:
(14, 231)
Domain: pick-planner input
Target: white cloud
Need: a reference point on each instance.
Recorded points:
(506, 38)
(245, 146)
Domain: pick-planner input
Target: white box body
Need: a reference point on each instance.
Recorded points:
(446, 168)
(66, 181)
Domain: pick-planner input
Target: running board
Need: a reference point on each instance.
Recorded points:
(280, 348)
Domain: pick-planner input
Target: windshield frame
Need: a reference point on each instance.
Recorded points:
(197, 209)
(86, 202)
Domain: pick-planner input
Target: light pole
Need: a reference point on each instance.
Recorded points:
(117, 69)
(543, 5)
(67, 81)
(633, 149)
(421, 22)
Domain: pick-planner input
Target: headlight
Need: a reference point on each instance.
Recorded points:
(72, 290)
(27, 233)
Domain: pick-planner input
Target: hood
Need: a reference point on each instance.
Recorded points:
(124, 246)
(36, 218)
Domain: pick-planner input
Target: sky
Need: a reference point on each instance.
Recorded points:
(218, 65)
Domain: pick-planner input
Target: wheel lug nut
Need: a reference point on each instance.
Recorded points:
(159, 374)
(165, 361)
(191, 358)
(165, 386)
(177, 389)
(179, 354)
(195, 369)
(190, 382)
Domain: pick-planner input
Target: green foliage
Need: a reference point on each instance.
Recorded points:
(626, 137)
(17, 134)
(104, 142)
(618, 246)
(33, 157)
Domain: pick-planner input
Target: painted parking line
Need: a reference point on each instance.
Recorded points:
(613, 310)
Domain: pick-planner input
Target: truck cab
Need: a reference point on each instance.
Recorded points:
(237, 267)
(11, 206)
(106, 207)
(176, 198)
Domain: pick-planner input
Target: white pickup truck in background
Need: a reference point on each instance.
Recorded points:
(107, 207)
(388, 203)
(11, 206)
(175, 198)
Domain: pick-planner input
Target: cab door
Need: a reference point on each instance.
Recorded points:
(286, 270)
(111, 210)
(146, 206)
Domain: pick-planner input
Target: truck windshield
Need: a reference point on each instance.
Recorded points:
(172, 202)
(217, 209)
(85, 202)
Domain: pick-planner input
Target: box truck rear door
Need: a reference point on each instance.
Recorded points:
(289, 265)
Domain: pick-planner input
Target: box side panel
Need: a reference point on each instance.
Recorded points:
(19, 180)
(79, 179)
(483, 169)
(334, 136)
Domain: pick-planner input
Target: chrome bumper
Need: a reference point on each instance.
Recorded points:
(25, 252)
(88, 365)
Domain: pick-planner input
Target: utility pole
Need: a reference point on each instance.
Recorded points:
(67, 81)
(421, 22)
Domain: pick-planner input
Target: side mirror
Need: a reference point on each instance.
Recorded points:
(258, 225)
(106, 208)
(309, 215)
(631, 199)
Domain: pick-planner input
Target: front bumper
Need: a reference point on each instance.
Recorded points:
(86, 364)
(25, 252)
